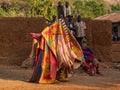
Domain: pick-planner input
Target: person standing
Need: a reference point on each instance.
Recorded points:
(67, 10)
(60, 10)
(70, 25)
(80, 27)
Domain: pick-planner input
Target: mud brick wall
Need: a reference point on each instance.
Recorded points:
(88, 32)
(102, 39)
(15, 40)
(116, 52)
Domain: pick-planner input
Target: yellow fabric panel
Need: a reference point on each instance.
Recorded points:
(35, 41)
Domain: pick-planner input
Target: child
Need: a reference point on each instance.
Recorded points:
(90, 64)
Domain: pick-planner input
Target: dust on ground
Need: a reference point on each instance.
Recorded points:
(15, 78)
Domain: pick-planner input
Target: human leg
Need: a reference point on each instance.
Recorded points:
(96, 64)
(62, 75)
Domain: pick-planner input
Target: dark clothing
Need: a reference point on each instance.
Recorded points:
(60, 11)
(88, 54)
(50, 21)
(71, 27)
(114, 38)
(80, 39)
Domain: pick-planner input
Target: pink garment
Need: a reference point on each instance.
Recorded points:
(64, 52)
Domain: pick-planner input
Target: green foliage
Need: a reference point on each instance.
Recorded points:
(78, 5)
(91, 8)
(47, 8)
(30, 8)
(15, 9)
(3, 13)
(41, 8)
(97, 8)
(116, 8)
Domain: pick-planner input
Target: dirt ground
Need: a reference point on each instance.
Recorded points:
(15, 78)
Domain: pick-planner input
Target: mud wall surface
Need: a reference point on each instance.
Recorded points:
(116, 51)
(15, 40)
(102, 39)
(99, 38)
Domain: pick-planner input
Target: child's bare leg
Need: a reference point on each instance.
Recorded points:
(32, 50)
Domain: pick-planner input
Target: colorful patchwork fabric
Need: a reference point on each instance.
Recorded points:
(57, 48)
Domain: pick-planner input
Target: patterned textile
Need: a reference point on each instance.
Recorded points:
(90, 64)
(88, 54)
(57, 48)
(80, 31)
